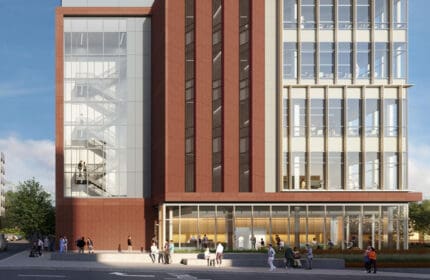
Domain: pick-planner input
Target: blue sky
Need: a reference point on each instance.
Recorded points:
(27, 89)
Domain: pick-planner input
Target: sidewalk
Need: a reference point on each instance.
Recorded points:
(22, 261)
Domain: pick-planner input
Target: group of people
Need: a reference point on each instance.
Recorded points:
(41, 244)
(81, 243)
(219, 252)
(292, 257)
(164, 255)
(370, 259)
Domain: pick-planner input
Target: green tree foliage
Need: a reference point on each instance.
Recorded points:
(30, 209)
(419, 214)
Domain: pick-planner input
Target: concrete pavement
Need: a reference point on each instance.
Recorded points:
(22, 261)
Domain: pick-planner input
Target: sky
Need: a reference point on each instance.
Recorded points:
(27, 92)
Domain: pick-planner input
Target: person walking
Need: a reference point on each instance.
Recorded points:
(167, 252)
(90, 245)
(46, 244)
(372, 258)
(271, 257)
(154, 252)
(219, 253)
(366, 259)
(309, 256)
(129, 244)
(289, 257)
(81, 245)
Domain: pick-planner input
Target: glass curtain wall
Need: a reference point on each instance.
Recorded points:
(217, 93)
(106, 107)
(290, 14)
(344, 14)
(189, 97)
(381, 14)
(245, 101)
(346, 226)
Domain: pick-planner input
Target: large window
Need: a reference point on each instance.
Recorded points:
(372, 171)
(308, 14)
(317, 117)
(354, 117)
(363, 14)
(299, 117)
(217, 96)
(344, 14)
(390, 171)
(381, 14)
(372, 117)
(308, 61)
(399, 60)
(381, 61)
(107, 107)
(290, 14)
(244, 99)
(335, 117)
(335, 171)
(362, 69)
(344, 63)
(189, 97)
(298, 170)
(354, 170)
(326, 14)
(326, 61)
(317, 166)
(399, 14)
(391, 117)
(290, 60)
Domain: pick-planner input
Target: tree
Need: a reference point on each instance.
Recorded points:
(419, 215)
(30, 209)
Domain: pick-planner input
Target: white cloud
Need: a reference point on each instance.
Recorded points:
(29, 158)
(419, 169)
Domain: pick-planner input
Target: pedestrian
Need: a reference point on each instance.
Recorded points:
(271, 257)
(65, 244)
(154, 252)
(90, 245)
(261, 243)
(366, 259)
(80, 243)
(171, 250)
(309, 256)
(205, 241)
(61, 244)
(219, 253)
(253, 241)
(167, 252)
(129, 244)
(207, 255)
(39, 246)
(289, 257)
(372, 258)
(46, 244)
(297, 257)
(80, 166)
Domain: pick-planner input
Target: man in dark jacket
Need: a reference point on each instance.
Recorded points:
(289, 257)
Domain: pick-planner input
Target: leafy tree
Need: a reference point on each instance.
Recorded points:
(419, 214)
(30, 209)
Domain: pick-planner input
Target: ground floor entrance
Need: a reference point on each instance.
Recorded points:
(324, 225)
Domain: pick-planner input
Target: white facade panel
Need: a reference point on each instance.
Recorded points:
(316, 144)
(335, 144)
(390, 144)
(372, 144)
(307, 35)
(298, 144)
(353, 144)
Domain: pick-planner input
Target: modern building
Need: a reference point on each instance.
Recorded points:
(2, 184)
(232, 119)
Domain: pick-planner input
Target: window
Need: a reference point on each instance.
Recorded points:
(354, 167)
(381, 61)
(363, 14)
(344, 65)
(362, 69)
(354, 117)
(372, 171)
(399, 60)
(381, 14)
(299, 117)
(399, 14)
(335, 117)
(391, 117)
(298, 171)
(308, 61)
(317, 117)
(326, 14)
(390, 171)
(290, 60)
(317, 170)
(335, 171)
(307, 20)
(372, 117)
(344, 14)
(290, 14)
(326, 60)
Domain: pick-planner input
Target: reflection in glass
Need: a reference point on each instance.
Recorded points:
(363, 14)
(391, 117)
(317, 165)
(362, 69)
(344, 14)
(290, 60)
(354, 168)
(372, 117)
(399, 14)
(344, 70)
(308, 14)
(335, 117)
(372, 171)
(326, 61)
(308, 61)
(326, 14)
(399, 60)
(290, 14)
(299, 169)
(354, 117)
(299, 117)
(335, 171)
(381, 61)
(317, 117)
(390, 171)
(381, 14)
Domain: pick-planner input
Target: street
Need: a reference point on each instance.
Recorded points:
(13, 248)
(182, 275)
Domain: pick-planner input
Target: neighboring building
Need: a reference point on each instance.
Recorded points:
(2, 184)
(185, 118)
